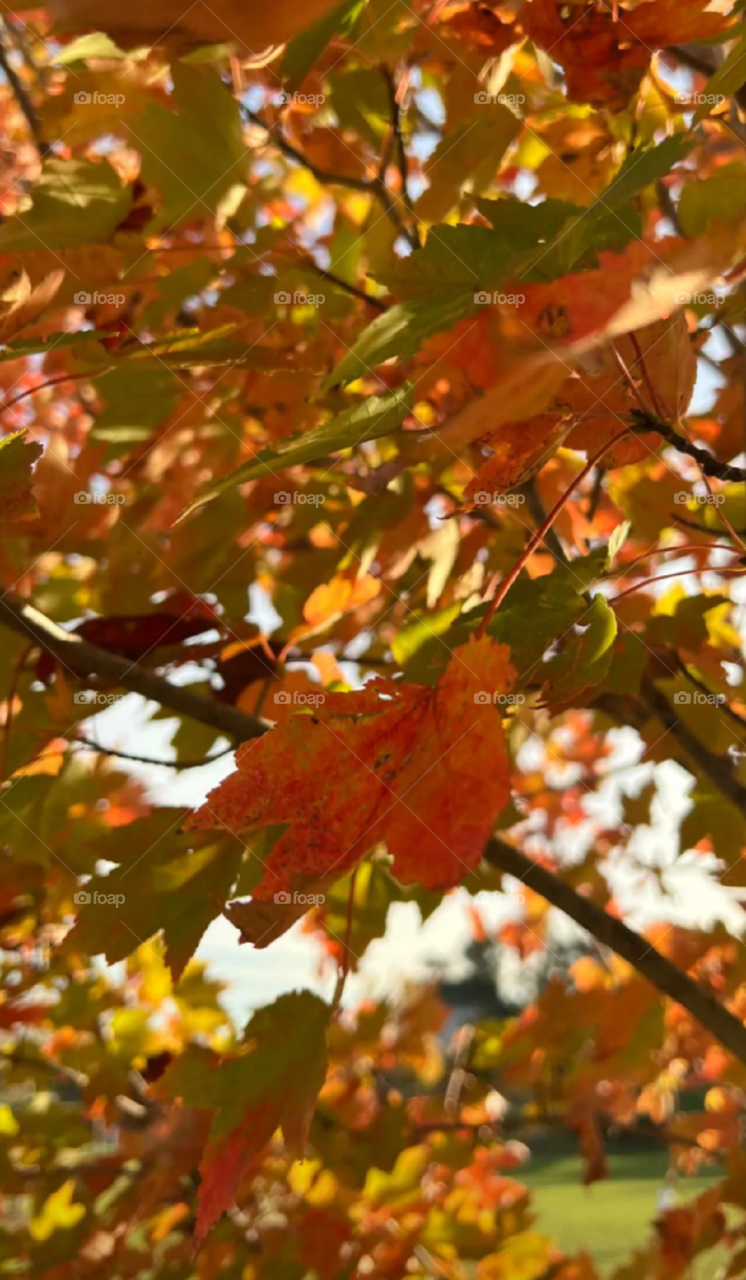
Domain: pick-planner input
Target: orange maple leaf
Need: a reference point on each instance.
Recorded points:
(423, 768)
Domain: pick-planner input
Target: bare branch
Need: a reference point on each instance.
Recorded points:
(82, 659)
(631, 946)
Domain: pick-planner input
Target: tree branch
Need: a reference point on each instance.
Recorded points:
(82, 659)
(23, 100)
(163, 764)
(693, 756)
(371, 186)
(711, 766)
(633, 948)
(646, 422)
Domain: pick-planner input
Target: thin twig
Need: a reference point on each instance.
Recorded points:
(540, 534)
(165, 764)
(23, 100)
(371, 186)
(401, 155)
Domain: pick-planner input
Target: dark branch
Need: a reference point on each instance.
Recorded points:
(23, 100)
(371, 186)
(711, 766)
(633, 948)
(348, 288)
(165, 764)
(83, 660)
(646, 422)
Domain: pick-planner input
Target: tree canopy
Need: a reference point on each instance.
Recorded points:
(372, 386)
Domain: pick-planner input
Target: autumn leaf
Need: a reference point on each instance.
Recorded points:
(271, 1082)
(17, 457)
(395, 762)
(226, 21)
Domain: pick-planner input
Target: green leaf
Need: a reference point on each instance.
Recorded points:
(55, 342)
(617, 540)
(410, 638)
(400, 332)
(613, 219)
(192, 348)
(533, 615)
(727, 80)
(524, 226)
(280, 1037)
(75, 202)
(196, 157)
(94, 45)
(722, 198)
(16, 461)
(359, 99)
(181, 896)
(465, 160)
(137, 401)
(454, 258)
(375, 889)
(305, 50)
(642, 168)
(271, 1082)
(586, 656)
(377, 416)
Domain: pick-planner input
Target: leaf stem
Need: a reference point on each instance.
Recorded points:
(540, 533)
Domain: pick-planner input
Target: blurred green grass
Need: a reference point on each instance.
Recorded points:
(609, 1219)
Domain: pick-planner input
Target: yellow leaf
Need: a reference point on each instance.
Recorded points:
(58, 1213)
(8, 1124)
